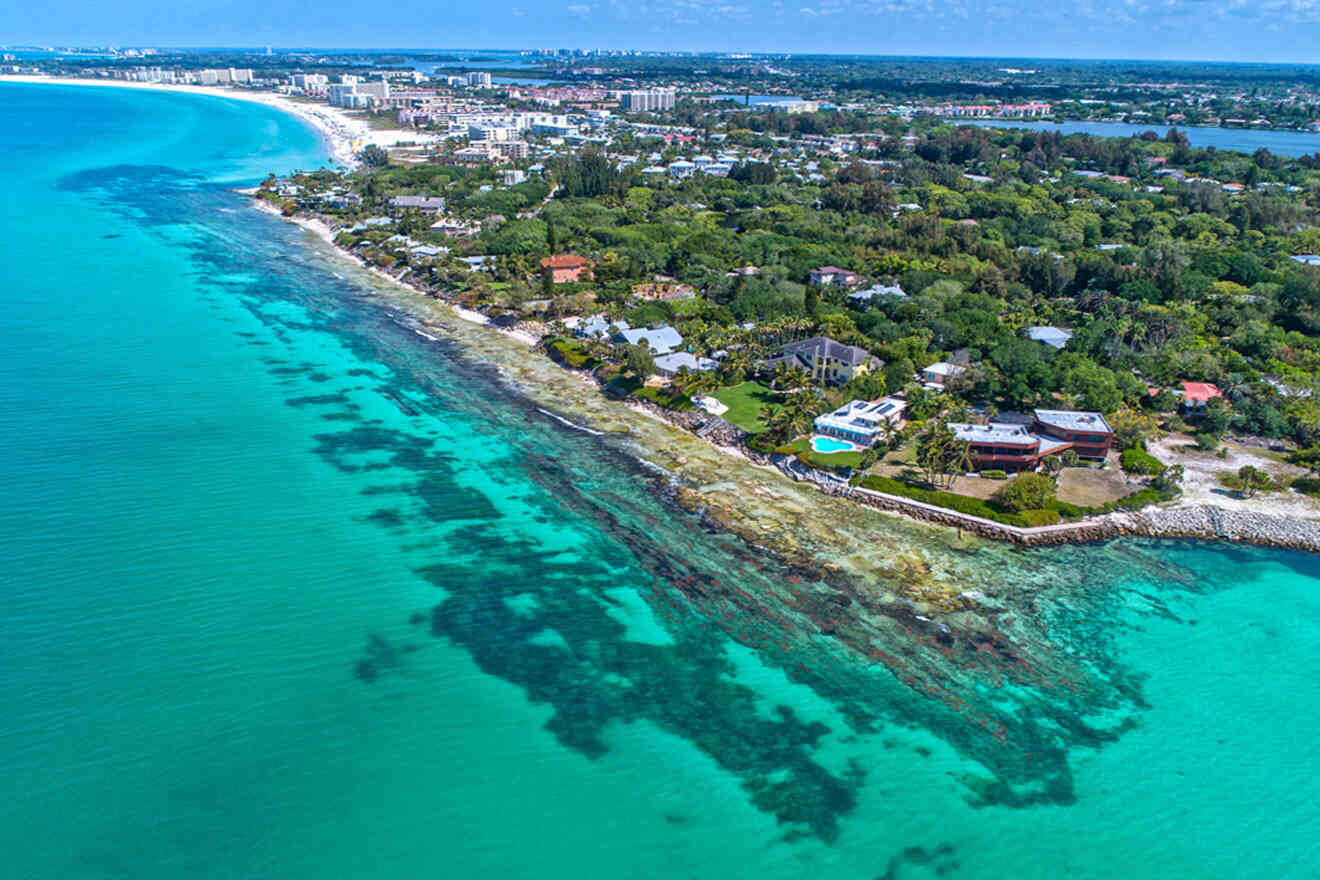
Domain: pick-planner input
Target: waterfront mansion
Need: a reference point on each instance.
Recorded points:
(1017, 447)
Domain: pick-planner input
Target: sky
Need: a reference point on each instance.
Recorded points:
(1226, 30)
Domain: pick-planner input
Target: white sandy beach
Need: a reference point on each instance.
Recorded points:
(345, 134)
(323, 232)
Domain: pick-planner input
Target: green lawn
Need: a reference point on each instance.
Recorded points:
(744, 402)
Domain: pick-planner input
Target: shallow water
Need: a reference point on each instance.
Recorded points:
(294, 590)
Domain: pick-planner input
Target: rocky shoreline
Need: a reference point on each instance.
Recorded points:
(1203, 522)
(1199, 522)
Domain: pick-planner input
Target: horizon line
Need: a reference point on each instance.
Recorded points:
(261, 49)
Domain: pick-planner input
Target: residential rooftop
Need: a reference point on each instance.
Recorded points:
(995, 432)
(824, 347)
(1055, 337)
(1071, 420)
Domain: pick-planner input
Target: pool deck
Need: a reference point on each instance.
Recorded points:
(835, 444)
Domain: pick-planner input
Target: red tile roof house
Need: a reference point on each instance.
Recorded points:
(565, 267)
(1195, 395)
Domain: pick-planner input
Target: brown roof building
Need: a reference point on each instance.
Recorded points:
(565, 267)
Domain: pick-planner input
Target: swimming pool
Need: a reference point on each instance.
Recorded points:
(830, 444)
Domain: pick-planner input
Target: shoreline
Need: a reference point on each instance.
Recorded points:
(344, 135)
(322, 231)
(1188, 520)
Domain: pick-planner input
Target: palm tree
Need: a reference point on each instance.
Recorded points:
(795, 415)
(779, 380)
(1233, 387)
(702, 382)
(941, 456)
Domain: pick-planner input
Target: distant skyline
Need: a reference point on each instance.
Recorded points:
(1184, 30)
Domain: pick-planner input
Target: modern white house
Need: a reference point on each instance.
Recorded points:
(662, 340)
(1054, 337)
(878, 291)
(421, 203)
(681, 168)
(941, 373)
(861, 421)
(480, 263)
(825, 276)
(668, 365)
(598, 327)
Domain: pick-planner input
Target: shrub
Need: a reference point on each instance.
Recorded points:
(1073, 511)
(1045, 517)
(1254, 480)
(1025, 492)
(1307, 458)
(1229, 480)
(570, 354)
(994, 475)
(1139, 461)
(1307, 486)
(1138, 500)
(666, 398)
(1048, 515)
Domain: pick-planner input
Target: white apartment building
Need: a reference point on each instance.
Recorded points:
(379, 89)
(648, 100)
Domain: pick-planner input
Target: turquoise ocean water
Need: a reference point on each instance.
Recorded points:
(291, 591)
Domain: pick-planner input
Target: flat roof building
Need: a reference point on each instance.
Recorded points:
(648, 100)
(1088, 433)
(861, 421)
(669, 364)
(662, 340)
(1010, 448)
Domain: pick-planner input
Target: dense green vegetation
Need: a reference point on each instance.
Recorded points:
(1160, 278)
(1190, 282)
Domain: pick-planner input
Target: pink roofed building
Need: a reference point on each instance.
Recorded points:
(1198, 394)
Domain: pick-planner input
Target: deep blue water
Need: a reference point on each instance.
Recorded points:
(1242, 140)
(293, 591)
